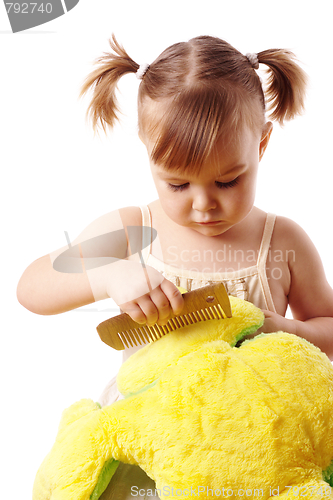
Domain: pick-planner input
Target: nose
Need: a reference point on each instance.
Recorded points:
(203, 201)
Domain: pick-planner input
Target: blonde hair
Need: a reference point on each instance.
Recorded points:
(204, 89)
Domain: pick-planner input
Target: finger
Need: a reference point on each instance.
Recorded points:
(270, 314)
(134, 311)
(173, 295)
(149, 309)
(162, 304)
(266, 313)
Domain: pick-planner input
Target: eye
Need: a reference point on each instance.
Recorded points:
(178, 187)
(226, 185)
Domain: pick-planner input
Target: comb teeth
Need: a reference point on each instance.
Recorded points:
(145, 333)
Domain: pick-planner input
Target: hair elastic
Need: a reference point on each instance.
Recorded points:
(143, 68)
(253, 60)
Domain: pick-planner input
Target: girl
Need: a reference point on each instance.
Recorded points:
(201, 113)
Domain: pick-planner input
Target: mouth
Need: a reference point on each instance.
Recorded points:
(210, 223)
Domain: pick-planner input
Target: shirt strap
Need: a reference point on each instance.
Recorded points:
(262, 260)
(146, 232)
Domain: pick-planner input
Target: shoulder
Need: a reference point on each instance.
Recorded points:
(284, 224)
(108, 235)
(131, 216)
(288, 232)
(299, 249)
(290, 235)
(310, 295)
(106, 227)
(112, 221)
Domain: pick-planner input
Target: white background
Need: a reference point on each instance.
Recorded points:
(56, 176)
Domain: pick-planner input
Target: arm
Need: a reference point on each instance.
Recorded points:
(318, 331)
(59, 282)
(42, 290)
(310, 296)
(96, 266)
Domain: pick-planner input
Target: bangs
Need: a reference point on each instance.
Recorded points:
(194, 121)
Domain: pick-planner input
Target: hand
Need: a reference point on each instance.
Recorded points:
(276, 323)
(143, 293)
(155, 306)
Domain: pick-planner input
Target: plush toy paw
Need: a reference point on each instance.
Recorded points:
(80, 464)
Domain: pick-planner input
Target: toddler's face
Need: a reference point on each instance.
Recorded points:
(221, 194)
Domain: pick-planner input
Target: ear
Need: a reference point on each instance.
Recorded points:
(266, 134)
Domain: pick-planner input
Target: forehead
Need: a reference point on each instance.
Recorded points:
(227, 159)
(182, 138)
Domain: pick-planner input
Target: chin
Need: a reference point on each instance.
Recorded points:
(211, 231)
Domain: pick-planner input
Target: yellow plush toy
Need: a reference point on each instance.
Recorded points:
(205, 418)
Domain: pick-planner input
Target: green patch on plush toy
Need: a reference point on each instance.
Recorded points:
(200, 412)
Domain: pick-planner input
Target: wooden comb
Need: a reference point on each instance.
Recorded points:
(209, 302)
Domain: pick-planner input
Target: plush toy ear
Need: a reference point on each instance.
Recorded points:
(147, 364)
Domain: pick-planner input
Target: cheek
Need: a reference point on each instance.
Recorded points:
(175, 208)
(240, 201)
(248, 190)
(173, 205)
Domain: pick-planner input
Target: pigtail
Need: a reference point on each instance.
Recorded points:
(103, 109)
(286, 84)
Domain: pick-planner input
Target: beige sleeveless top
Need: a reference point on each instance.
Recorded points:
(249, 284)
